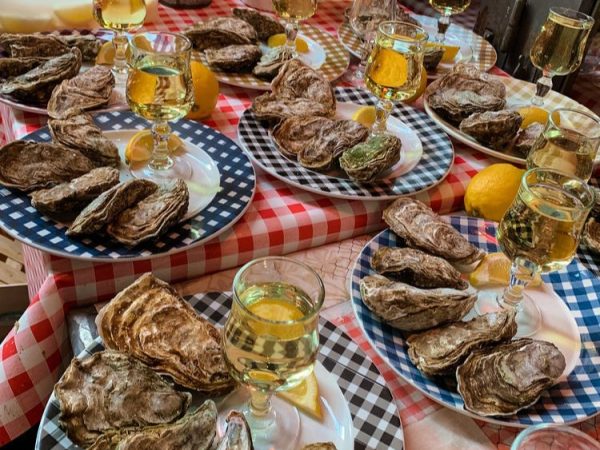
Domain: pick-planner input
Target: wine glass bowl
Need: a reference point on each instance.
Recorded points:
(447, 8)
(292, 12)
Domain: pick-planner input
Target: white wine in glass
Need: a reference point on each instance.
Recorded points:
(447, 8)
(293, 11)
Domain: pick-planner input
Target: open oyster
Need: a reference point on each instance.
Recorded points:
(495, 129)
(320, 446)
(416, 268)
(264, 25)
(526, 138)
(441, 350)
(111, 390)
(233, 58)
(49, 45)
(30, 165)
(409, 308)
(365, 161)
(238, 435)
(502, 380)
(220, 32)
(271, 62)
(421, 228)
(12, 67)
(151, 322)
(67, 199)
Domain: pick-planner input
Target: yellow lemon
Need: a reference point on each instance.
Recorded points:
(389, 68)
(494, 270)
(276, 310)
(305, 397)
(365, 115)
(206, 91)
(490, 192)
(76, 13)
(139, 147)
(532, 114)
(277, 40)
(450, 51)
(422, 86)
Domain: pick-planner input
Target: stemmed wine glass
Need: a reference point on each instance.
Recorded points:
(447, 8)
(293, 11)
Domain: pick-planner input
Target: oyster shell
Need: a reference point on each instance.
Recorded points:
(111, 390)
(272, 109)
(416, 268)
(30, 165)
(237, 435)
(67, 199)
(467, 77)
(150, 321)
(233, 58)
(293, 134)
(45, 45)
(88, 44)
(264, 25)
(194, 431)
(365, 161)
(12, 67)
(320, 446)
(591, 235)
(109, 205)
(81, 132)
(526, 138)
(409, 308)
(495, 129)
(152, 216)
(441, 350)
(421, 228)
(502, 380)
(220, 32)
(271, 62)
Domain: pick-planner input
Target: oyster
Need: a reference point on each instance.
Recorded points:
(30, 165)
(194, 431)
(67, 199)
(271, 62)
(495, 129)
(591, 235)
(81, 132)
(416, 268)
(88, 44)
(44, 45)
(526, 138)
(109, 205)
(35, 86)
(365, 161)
(237, 435)
(264, 25)
(111, 390)
(467, 77)
(320, 446)
(409, 308)
(421, 228)
(293, 134)
(152, 216)
(150, 321)
(441, 350)
(220, 32)
(502, 380)
(233, 58)
(12, 67)
(89, 90)
(271, 109)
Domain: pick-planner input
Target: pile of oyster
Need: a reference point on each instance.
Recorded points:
(419, 288)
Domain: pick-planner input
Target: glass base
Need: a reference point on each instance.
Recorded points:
(180, 168)
(529, 317)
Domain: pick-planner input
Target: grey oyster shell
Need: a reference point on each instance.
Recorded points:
(416, 268)
(111, 390)
(35, 86)
(81, 132)
(293, 134)
(233, 58)
(526, 138)
(151, 322)
(495, 129)
(237, 435)
(409, 308)
(365, 161)
(152, 216)
(88, 44)
(320, 446)
(441, 350)
(194, 431)
(12, 67)
(421, 228)
(109, 205)
(49, 45)
(30, 165)
(220, 32)
(264, 25)
(271, 62)
(64, 200)
(591, 235)
(504, 379)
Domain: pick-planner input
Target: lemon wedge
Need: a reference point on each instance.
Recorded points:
(305, 397)
(277, 40)
(365, 115)
(535, 114)
(75, 13)
(494, 270)
(139, 147)
(450, 51)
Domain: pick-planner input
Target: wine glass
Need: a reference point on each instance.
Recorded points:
(159, 89)
(271, 342)
(394, 67)
(447, 8)
(550, 436)
(293, 11)
(120, 16)
(559, 47)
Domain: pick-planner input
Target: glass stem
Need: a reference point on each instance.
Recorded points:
(262, 414)
(442, 27)
(383, 110)
(160, 153)
(542, 86)
(120, 43)
(291, 31)
(521, 273)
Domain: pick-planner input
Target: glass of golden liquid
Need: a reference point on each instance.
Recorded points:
(271, 341)
(394, 67)
(293, 11)
(120, 16)
(447, 8)
(159, 89)
(559, 47)
(569, 143)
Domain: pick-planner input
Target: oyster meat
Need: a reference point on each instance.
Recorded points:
(30, 165)
(233, 58)
(271, 62)
(81, 132)
(67, 199)
(526, 138)
(109, 205)
(220, 32)
(409, 308)
(152, 216)
(47, 45)
(421, 228)
(441, 350)
(151, 322)
(504, 379)
(264, 25)
(320, 446)
(293, 134)
(12, 67)
(365, 161)
(194, 431)
(416, 268)
(237, 435)
(111, 390)
(495, 129)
